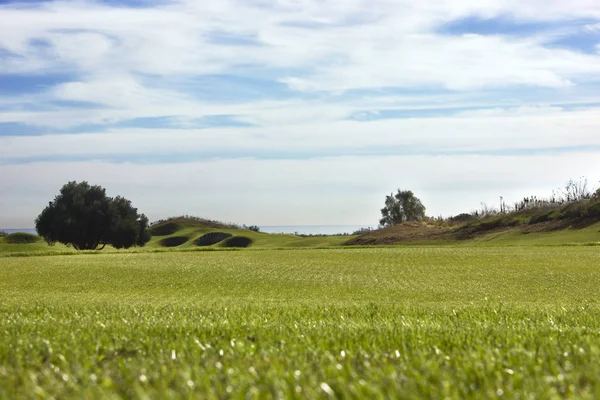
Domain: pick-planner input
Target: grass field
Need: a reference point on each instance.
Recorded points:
(432, 322)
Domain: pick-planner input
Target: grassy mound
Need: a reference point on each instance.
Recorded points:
(574, 220)
(174, 241)
(173, 225)
(574, 215)
(237, 241)
(191, 221)
(165, 229)
(212, 238)
(21, 238)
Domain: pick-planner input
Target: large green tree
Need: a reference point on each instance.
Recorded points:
(84, 217)
(401, 207)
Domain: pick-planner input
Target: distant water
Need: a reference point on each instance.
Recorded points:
(19, 230)
(314, 229)
(299, 229)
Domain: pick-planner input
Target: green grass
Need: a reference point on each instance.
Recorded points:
(396, 322)
(37, 247)
(260, 239)
(194, 229)
(21, 238)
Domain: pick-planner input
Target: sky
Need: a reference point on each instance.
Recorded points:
(296, 112)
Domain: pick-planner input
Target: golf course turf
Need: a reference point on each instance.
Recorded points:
(431, 322)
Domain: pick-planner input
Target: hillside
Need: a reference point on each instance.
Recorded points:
(184, 232)
(577, 222)
(187, 233)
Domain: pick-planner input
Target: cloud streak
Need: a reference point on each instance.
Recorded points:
(169, 83)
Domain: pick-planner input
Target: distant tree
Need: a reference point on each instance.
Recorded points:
(253, 228)
(401, 207)
(83, 216)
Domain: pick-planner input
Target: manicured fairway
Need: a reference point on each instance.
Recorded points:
(517, 322)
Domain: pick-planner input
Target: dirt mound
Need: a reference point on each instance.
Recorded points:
(212, 238)
(237, 241)
(174, 241)
(408, 232)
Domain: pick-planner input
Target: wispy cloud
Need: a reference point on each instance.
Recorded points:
(181, 80)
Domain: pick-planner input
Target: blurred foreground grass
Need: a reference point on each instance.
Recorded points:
(516, 322)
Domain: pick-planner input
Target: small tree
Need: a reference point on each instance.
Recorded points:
(401, 207)
(83, 216)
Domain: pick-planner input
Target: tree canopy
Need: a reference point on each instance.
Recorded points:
(84, 217)
(401, 207)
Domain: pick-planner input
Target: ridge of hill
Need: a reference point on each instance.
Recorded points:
(575, 222)
(186, 232)
(171, 225)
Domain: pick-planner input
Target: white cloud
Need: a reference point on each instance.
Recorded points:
(358, 44)
(123, 59)
(476, 131)
(592, 28)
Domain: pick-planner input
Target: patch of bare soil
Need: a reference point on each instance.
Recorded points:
(408, 232)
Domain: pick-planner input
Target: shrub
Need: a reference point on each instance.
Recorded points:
(21, 238)
(464, 217)
(362, 230)
(594, 210)
(544, 216)
(237, 241)
(212, 238)
(174, 241)
(186, 219)
(2, 234)
(574, 210)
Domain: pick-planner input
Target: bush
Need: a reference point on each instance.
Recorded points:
(174, 241)
(594, 210)
(212, 238)
(464, 217)
(362, 230)
(21, 238)
(237, 241)
(2, 234)
(544, 216)
(187, 219)
(574, 210)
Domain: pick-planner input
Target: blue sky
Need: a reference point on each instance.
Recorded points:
(305, 112)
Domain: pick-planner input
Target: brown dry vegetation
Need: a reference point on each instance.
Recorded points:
(408, 232)
(573, 216)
